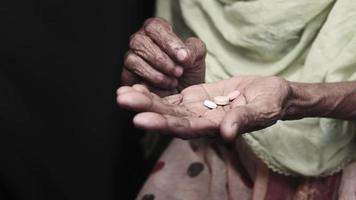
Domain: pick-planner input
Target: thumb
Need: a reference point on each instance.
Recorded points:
(193, 64)
(196, 51)
(248, 118)
(240, 119)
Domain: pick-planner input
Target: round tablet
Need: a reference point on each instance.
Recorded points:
(210, 104)
(221, 100)
(233, 95)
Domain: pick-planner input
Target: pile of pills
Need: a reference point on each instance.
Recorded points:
(221, 100)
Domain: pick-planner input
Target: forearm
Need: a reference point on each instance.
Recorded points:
(331, 100)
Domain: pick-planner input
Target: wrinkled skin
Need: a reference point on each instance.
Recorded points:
(262, 102)
(163, 78)
(163, 62)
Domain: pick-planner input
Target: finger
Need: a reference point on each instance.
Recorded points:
(124, 89)
(138, 101)
(142, 88)
(137, 87)
(175, 99)
(129, 78)
(248, 118)
(160, 31)
(182, 127)
(160, 92)
(143, 46)
(236, 121)
(196, 52)
(163, 92)
(136, 65)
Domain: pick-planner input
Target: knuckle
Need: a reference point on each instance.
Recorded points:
(277, 80)
(200, 45)
(130, 60)
(197, 42)
(160, 59)
(133, 40)
(198, 49)
(138, 71)
(153, 25)
(270, 113)
(149, 21)
(162, 21)
(194, 40)
(155, 20)
(163, 63)
(136, 40)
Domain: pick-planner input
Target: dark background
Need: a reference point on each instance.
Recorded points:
(61, 134)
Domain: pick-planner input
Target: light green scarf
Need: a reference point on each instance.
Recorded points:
(305, 41)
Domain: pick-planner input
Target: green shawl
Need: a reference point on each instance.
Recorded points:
(304, 41)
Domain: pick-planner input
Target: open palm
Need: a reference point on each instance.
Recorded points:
(185, 116)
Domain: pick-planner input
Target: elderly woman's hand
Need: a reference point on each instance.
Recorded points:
(261, 103)
(159, 59)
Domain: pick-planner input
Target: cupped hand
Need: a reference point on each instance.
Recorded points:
(262, 103)
(162, 61)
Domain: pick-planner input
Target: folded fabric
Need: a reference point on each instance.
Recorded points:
(305, 41)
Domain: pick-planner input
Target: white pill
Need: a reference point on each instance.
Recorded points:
(210, 104)
(233, 95)
(221, 100)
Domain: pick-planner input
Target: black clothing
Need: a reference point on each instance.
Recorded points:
(62, 135)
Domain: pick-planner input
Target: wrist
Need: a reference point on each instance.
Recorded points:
(306, 100)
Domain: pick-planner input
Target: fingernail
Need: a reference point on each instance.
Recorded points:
(178, 71)
(182, 54)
